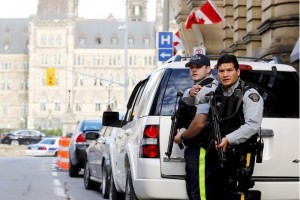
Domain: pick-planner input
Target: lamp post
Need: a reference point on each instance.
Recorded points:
(126, 58)
(109, 88)
(125, 28)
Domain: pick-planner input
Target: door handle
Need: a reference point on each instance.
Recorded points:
(267, 132)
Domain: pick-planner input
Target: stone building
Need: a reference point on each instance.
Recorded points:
(88, 56)
(256, 28)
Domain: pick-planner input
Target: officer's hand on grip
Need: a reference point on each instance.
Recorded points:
(177, 138)
(223, 144)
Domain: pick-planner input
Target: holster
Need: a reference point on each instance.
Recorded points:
(239, 166)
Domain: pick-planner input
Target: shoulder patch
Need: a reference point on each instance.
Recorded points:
(254, 97)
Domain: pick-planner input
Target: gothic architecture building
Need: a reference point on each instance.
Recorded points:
(88, 57)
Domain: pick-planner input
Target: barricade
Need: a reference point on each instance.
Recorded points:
(63, 153)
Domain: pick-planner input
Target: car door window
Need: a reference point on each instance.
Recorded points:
(149, 92)
(179, 80)
(280, 92)
(134, 100)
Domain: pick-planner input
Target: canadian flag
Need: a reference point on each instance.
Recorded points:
(207, 14)
(177, 43)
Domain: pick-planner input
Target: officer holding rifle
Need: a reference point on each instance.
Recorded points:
(239, 111)
(200, 167)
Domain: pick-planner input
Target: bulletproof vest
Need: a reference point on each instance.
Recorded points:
(187, 114)
(230, 108)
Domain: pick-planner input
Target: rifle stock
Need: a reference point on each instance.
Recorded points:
(174, 126)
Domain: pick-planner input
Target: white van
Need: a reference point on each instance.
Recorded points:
(141, 168)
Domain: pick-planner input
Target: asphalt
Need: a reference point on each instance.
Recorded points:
(12, 150)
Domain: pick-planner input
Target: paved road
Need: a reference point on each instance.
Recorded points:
(33, 178)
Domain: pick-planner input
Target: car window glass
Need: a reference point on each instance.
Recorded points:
(33, 133)
(131, 112)
(107, 132)
(25, 133)
(48, 141)
(102, 131)
(92, 126)
(137, 101)
(280, 92)
(148, 91)
(179, 80)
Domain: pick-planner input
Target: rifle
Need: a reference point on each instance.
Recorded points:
(216, 129)
(174, 125)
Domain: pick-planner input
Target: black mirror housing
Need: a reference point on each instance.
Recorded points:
(110, 118)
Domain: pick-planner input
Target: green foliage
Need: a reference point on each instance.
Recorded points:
(53, 132)
(5, 130)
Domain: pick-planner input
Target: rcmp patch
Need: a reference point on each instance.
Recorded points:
(254, 97)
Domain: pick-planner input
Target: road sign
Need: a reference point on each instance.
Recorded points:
(165, 45)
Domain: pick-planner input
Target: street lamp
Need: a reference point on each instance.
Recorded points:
(125, 28)
(109, 88)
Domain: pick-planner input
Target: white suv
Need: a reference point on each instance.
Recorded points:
(140, 167)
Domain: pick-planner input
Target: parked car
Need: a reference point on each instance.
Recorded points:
(142, 170)
(78, 144)
(97, 165)
(46, 147)
(22, 136)
(4, 137)
(97, 170)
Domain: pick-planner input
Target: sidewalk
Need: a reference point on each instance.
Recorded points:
(11, 150)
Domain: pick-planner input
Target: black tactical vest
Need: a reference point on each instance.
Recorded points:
(187, 114)
(230, 108)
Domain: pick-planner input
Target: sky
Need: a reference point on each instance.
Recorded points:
(89, 9)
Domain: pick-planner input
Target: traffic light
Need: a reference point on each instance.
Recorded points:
(50, 77)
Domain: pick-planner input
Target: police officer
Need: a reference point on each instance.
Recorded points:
(240, 111)
(200, 167)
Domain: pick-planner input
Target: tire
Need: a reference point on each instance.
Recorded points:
(73, 170)
(129, 191)
(15, 142)
(88, 183)
(113, 192)
(105, 182)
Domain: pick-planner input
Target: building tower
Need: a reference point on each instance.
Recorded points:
(137, 10)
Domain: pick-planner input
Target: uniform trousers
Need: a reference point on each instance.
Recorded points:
(203, 174)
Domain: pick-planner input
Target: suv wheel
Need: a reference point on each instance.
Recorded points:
(73, 170)
(129, 191)
(104, 186)
(88, 183)
(14, 142)
(113, 192)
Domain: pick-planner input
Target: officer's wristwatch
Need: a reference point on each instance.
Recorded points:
(182, 137)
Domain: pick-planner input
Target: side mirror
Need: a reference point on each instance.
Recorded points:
(90, 135)
(110, 118)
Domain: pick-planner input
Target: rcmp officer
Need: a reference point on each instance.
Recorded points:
(199, 166)
(240, 111)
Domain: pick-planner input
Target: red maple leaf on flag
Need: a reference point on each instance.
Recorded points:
(207, 14)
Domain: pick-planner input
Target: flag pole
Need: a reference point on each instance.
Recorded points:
(221, 15)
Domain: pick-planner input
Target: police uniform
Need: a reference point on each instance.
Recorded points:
(240, 111)
(203, 173)
(252, 110)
